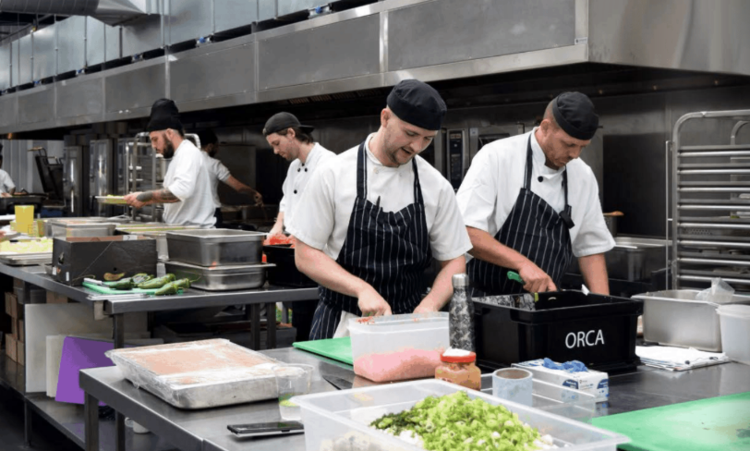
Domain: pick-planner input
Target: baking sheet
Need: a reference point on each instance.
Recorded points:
(199, 374)
(26, 259)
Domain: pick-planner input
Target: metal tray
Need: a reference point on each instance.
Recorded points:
(215, 247)
(26, 259)
(633, 258)
(221, 278)
(78, 229)
(676, 318)
(111, 200)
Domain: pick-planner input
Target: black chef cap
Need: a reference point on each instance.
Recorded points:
(282, 121)
(575, 114)
(417, 103)
(164, 115)
(207, 137)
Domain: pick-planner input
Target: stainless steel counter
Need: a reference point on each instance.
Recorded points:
(206, 429)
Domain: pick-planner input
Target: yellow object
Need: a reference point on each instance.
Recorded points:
(24, 214)
(35, 229)
(27, 247)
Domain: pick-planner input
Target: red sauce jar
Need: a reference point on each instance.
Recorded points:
(458, 368)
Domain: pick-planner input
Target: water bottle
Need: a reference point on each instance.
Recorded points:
(461, 322)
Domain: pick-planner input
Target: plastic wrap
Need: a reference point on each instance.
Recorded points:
(199, 374)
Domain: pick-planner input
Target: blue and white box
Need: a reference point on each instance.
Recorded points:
(592, 382)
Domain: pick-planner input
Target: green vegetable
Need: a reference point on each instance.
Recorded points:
(130, 282)
(156, 283)
(173, 287)
(456, 422)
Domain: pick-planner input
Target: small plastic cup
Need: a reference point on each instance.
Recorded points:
(513, 384)
(292, 380)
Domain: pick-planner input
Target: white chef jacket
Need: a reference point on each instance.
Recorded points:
(187, 178)
(496, 176)
(217, 172)
(322, 218)
(298, 176)
(6, 183)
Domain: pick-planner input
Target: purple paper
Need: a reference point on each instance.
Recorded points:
(79, 354)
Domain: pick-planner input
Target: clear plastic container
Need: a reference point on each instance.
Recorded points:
(398, 347)
(735, 332)
(339, 420)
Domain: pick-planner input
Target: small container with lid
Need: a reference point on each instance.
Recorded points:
(458, 368)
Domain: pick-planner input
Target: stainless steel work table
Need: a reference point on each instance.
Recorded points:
(206, 429)
(104, 307)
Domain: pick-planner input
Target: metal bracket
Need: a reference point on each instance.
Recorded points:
(582, 40)
(99, 311)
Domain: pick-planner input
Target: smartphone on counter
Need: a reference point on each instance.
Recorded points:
(266, 429)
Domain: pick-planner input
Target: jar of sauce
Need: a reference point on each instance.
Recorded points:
(458, 368)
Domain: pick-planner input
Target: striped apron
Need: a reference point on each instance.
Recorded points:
(536, 231)
(389, 251)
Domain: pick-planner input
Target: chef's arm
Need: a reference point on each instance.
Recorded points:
(278, 227)
(594, 271)
(12, 191)
(244, 189)
(487, 248)
(323, 269)
(442, 289)
(161, 196)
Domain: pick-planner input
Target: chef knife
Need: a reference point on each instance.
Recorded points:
(337, 382)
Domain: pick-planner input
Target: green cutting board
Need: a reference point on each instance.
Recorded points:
(721, 423)
(339, 349)
(106, 290)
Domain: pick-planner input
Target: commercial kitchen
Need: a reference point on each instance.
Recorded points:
(199, 202)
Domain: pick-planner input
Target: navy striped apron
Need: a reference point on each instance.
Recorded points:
(390, 251)
(536, 231)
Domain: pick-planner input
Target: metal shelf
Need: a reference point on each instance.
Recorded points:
(711, 186)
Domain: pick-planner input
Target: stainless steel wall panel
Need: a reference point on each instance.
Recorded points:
(266, 9)
(674, 34)
(113, 48)
(38, 105)
(45, 55)
(137, 87)
(322, 53)
(15, 62)
(95, 42)
(188, 20)
(229, 14)
(197, 77)
(25, 60)
(71, 41)
(5, 66)
(294, 6)
(142, 35)
(445, 31)
(8, 110)
(80, 97)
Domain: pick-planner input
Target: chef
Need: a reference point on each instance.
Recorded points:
(186, 194)
(373, 219)
(217, 172)
(7, 187)
(531, 205)
(293, 142)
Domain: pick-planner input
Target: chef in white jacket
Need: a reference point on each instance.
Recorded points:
(186, 194)
(531, 205)
(374, 218)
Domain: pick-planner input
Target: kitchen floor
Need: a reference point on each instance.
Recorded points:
(44, 436)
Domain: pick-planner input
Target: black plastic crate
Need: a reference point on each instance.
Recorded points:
(598, 330)
(285, 273)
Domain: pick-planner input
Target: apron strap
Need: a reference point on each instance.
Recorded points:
(417, 187)
(362, 171)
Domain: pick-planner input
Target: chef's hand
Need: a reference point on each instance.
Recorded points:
(372, 304)
(537, 281)
(132, 200)
(427, 306)
(258, 199)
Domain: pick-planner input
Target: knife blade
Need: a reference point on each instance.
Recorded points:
(337, 382)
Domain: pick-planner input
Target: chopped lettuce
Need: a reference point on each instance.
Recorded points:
(457, 423)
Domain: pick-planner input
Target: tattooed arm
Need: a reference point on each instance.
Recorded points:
(162, 196)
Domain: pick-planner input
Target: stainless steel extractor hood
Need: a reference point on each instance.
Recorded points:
(111, 12)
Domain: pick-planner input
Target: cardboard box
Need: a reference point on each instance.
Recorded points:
(55, 298)
(11, 347)
(21, 331)
(30, 294)
(77, 258)
(21, 353)
(14, 328)
(593, 382)
(10, 299)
